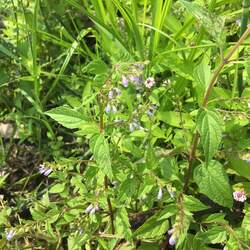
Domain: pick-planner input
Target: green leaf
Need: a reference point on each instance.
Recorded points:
(156, 225)
(96, 67)
(192, 204)
(67, 117)
(102, 156)
(212, 181)
(213, 24)
(202, 75)
(209, 125)
(214, 235)
(176, 119)
(57, 188)
(240, 166)
(175, 64)
(122, 224)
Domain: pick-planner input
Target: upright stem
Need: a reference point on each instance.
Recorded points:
(195, 140)
(101, 128)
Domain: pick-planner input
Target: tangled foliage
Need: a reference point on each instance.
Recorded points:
(124, 124)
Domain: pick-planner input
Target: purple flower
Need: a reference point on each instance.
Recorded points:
(139, 66)
(110, 94)
(108, 109)
(43, 170)
(240, 195)
(160, 194)
(124, 81)
(134, 125)
(170, 231)
(238, 22)
(172, 240)
(150, 82)
(135, 79)
(10, 234)
(89, 208)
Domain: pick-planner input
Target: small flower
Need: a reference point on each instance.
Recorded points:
(139, 66)
(160, 194)
(151, 110)
(240, 195)
(247, 159)
(118, 91)
(43, 170)
(172, 240)
(110, 94)
(114, 109)
(149, 83)
(238, 22)
(10, 234)
(124, 81)
(135, 79)
(170, 231)
(108, 109)
(134, 125)
(89, 208)
(248, 105)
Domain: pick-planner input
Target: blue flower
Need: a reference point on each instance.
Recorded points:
(10, 234)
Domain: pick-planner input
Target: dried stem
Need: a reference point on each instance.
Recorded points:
(195, 140)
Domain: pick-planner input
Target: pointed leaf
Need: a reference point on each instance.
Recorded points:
(67, 117)
(212, 181)
(209, 125)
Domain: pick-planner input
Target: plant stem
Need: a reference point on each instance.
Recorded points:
(101, 128)
(195, 140)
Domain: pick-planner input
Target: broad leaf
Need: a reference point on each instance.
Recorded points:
(212, 181)
(122, 224)
(102, 156)
(67, 117)
(176, 119)
(209, 125)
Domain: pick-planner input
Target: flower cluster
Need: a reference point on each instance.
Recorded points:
(44, 170)
(112, 94)
(240, 195)
(91, 209)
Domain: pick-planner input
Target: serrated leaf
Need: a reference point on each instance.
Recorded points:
(209, 125)
(102, 155)
(212, 181)
(122, 224)
(67, 117)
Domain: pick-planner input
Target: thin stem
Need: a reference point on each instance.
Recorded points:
(101, 128)
(205, 103)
